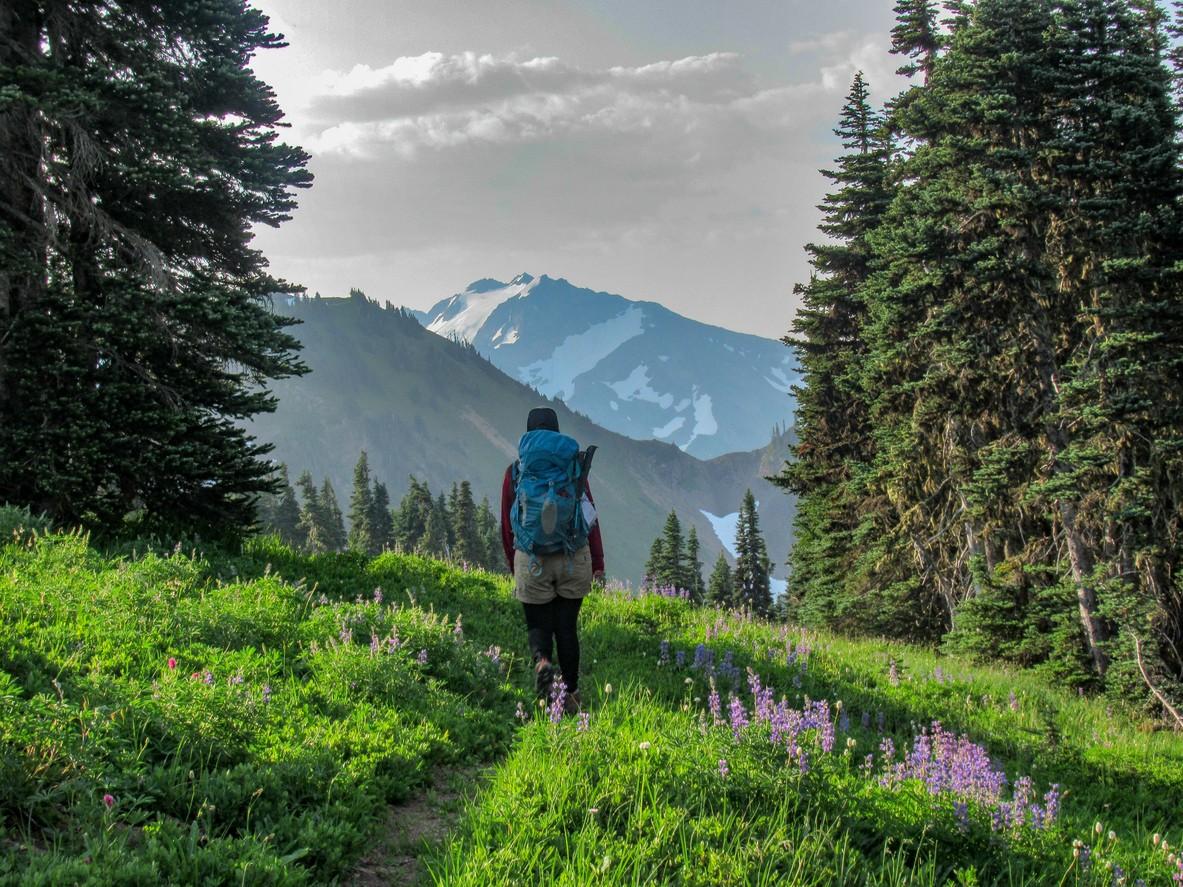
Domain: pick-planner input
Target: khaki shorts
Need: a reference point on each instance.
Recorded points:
(563, 576)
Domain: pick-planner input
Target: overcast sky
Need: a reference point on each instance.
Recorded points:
(659, 149)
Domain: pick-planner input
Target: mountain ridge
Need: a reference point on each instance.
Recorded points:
(634, 367)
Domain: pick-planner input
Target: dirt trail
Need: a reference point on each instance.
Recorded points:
(422, 823)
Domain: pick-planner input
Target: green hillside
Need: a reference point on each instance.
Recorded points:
(422, 405)
(263, 718)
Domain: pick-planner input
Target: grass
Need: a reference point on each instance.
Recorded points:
(169, 717)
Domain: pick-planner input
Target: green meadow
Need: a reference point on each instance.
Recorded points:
(258, 717)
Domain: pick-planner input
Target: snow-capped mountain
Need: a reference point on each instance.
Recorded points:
(636, 368)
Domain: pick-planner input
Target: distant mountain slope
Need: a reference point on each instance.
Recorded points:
(421, 404)
(633, 367)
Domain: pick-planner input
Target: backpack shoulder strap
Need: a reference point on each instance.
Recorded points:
(585, 464)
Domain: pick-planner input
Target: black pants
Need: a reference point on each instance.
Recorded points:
(556, 624)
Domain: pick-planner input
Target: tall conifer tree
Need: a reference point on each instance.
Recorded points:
(137, 152)
(753, 570)
(381, 518)
(834, 440)
(720, 587)
(361, 509)
(692, 568)
(333, 529)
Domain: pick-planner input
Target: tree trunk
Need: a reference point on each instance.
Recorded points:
(22, 221)
(1080, 558)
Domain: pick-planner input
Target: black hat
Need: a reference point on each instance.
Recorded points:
(542, 418)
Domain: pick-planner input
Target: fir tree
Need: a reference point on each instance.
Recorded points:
(410, 524)
(467, 546)
(435, 541)
(284, 519)
(752, 567)
(381, 519)
(720, 588)
(834, 442)
(312, 516)
(333, 532)
(655, 564)
(692, 568)
(361, 509)
(915, 36)
(488, 532)
(670, 572)
(138, 152)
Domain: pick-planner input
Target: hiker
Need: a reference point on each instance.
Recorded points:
(553, 566)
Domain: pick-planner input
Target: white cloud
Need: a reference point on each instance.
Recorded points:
(437, 101)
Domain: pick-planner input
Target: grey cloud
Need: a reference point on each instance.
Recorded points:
(436, 101)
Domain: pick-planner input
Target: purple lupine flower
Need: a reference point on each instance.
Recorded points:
(520, 714)
(868, 764)
(422, 657)
(724, 770)
(844, 722)
(738, 715)
(1013, 701)
(345, 635)
(865, 720)
(680, 658)
(663, 656)
(584, 721)
(494, 654)
(1051, 802)
(715, 704)
(266, 693)
(881, 721)
(377, 595)
(375, 644)
(458, 629)
(558, 701)
(1118, 875)
(208, 677)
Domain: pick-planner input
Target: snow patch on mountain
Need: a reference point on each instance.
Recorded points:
(637, 387)
(555, 376)
(501, 337)
(704, 419)
(465, 313)
(724, 527)
(669, 428)
(782, 383)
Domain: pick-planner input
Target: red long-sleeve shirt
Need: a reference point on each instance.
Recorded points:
(507, 497)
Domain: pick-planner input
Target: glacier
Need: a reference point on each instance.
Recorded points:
(555, 376)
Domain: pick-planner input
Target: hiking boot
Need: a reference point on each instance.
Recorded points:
(544, 677)
(572, 704)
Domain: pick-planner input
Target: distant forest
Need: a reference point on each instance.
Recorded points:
(990, 447)
(452, 528)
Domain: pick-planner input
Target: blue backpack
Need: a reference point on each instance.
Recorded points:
(549, 480)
